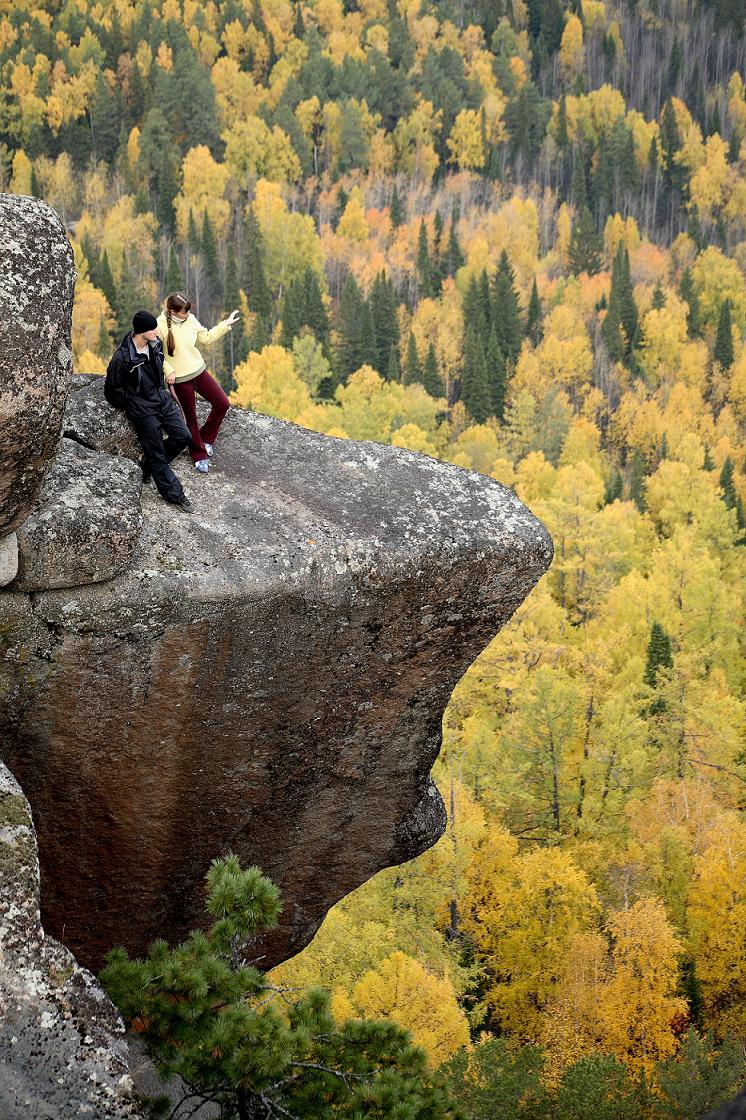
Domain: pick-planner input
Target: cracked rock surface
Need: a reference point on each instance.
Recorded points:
(267, 676)
(86, 522)
(62, 1047)
(36, 297)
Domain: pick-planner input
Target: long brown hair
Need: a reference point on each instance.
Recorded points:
(175, 302)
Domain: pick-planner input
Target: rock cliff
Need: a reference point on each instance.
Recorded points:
(267, 674)
(62, 1046)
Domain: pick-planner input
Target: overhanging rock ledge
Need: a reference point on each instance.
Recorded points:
(268, 675)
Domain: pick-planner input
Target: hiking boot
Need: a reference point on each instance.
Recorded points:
(202, 465)
(184, 503)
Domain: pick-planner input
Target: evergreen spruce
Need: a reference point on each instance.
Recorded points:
(293, 312)
(127, 300)
(106, 281)
(193, 238)
(205, 1015)
(535, 316)
(496, 375)
(93, 258)
(368, 343)
(723, 352)
(210, 256)
(412, 371)
(428, 280)
(506, 314)
(708, 462)
(453, 258)
(621, 325)
(397, 212)
(431, 378)
(659, 298)
(383, 307)
(104, 340)
(174, 281)
(728, 485)
(688, 293)
(475, 314)
(584, 251)
(614, 487)
(392, 367)
(316, 316)
(349, 328)
(475, 388)
(252, 272)
(659, 654)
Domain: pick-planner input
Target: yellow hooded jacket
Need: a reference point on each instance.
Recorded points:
(186, 361)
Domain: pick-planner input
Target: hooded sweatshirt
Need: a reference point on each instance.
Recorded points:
(186, 361)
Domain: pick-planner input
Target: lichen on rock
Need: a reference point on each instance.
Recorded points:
(62, 1046)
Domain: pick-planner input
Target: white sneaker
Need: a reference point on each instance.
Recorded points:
(208, 449)
(202, 465)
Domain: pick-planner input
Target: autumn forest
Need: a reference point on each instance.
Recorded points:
(510, 234)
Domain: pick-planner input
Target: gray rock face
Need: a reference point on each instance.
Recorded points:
(36, 296)
(267, 676)
(8, 559)
(86, 522)
(62, 1046)
(91, 422)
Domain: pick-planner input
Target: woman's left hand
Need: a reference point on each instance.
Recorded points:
(233, 317)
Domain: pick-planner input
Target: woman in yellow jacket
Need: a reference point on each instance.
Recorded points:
(186, 370)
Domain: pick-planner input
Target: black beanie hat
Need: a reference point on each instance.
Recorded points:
(143, 321)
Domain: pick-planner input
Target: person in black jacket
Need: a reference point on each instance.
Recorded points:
(134, 382)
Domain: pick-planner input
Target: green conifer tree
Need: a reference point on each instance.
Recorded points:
(723, 352)
(496, 375)
(428, 280)
(453, 257)
(174, 281)
(396, 211)
(506, 313)
(214, 1020)
(210, 256)
(728, 485)
(431, 378)
(106, 281)
(659, 298)
(584, 250)
(103, 346)
(252, 271)
(659, 655)
(535, 317)
(475, 388)
(349, 328)
(392, 368)
(412, 371)
(688, 293)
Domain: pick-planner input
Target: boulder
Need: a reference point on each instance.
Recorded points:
(36, 298)
(93, 423)
(62, 1046)
(86, 522)
(8, 559)
(267, 676)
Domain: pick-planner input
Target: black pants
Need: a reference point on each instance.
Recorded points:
(159, 452)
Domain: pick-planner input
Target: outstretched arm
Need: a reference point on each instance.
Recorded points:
(205, 336)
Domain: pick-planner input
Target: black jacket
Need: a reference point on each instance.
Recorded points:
(134, 381)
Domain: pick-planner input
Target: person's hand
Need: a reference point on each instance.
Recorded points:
(234, 317)
(170, 378)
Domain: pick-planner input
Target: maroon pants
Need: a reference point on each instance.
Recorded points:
(207, 387)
